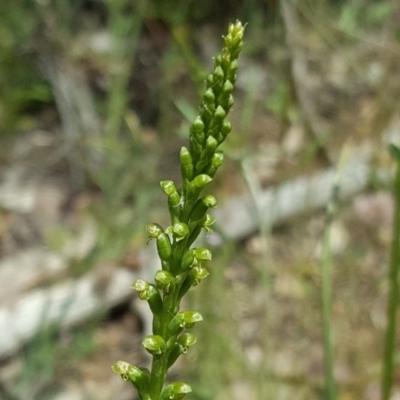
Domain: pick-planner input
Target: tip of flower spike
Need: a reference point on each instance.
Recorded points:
(236, 28)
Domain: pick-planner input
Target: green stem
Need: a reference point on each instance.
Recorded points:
(388, 358)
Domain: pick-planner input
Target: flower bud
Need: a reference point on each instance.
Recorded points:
(175, 204)
(218, 75)
(163, 280)
(186, 164)
(209, 80)
(196, 185)
(121, 368)
(140, 377)
(154, 230)
(154, 344)
(217, 159)
(188, 259)
(201, 207)
(203, 254)
(233, 67)
(200, 181)
(199, 273)
(209, 99)
(197, 125)
(197, 130)
(184, 320)
(179, 229)
(209, 149)
(168, 187)
(164, 247)
(226, 128)
(219, 113)
(149, 292)
(207, 222)
(186, 340)
(211, 145)
(175, 391)
(227, 88)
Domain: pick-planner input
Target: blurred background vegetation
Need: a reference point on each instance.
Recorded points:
(96, 97)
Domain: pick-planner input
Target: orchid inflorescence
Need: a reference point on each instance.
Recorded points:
(181, 265)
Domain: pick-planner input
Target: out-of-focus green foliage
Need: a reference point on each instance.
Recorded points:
(22, 87)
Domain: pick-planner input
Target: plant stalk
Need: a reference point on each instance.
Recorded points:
(390, 336)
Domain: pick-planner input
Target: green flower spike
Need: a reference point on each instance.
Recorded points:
(182, 266)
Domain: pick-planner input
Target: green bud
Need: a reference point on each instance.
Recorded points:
(211, 145)
(231, 75)
(186, 164)
(154, 230)
(188, 259)
(217, 159)
(209, 99)
(121, 368)
(218, 60)
(190, 318)
(154, 344)
(200, 181)
(199, 273)
(149, 292)
(163, 280)
(203, 254)
(140, 377)
(164, 247)
(207, 222)
(186, 340)
(226, 128)
(219, 114)
(175, 391)
(229, 103)
(209, 80)
(197, 130)
(225, 98)
(227, 88)
(233, 40)
(174, 200)
(184, 320)
(218, 74)
(175, 207)
(180, 229)
(197, 126)
(140, 285)
(206, 154)
(196, 185)
(215, 163)
(168, 187)
(201, 207)
(209, 201)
